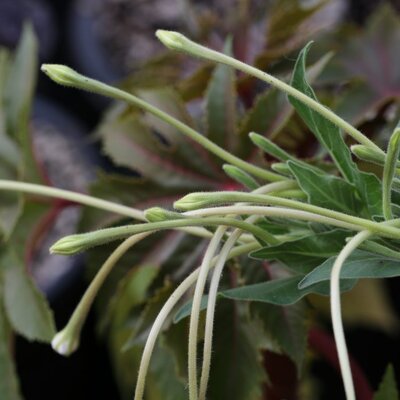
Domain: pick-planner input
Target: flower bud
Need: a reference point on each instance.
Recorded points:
(65, 342)
(64, 75)
(158, 214)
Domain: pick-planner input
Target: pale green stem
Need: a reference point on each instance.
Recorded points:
(196, 305)
(388, 173)
(86, 200)
(69, 77)
(73, 244)
(336, 312)
(166, 310)
(279, 212)
(79, 198)
(179, 42)
(66, 341)
(198, 200)
(378, 248)
(212, 298)
(367, 154)
(199, 291)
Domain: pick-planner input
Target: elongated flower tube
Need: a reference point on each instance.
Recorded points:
(166, 310)
(200, 200)
(68, 77)
(73, 244)
(337, 315)
(66, 341)
(178, 42)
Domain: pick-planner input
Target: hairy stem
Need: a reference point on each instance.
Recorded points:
(389, 172)
(166, 310)
(179, 42)
(196, 305)
(79, 198)
(198, 200)
(73, 244)
(67, 340)
(337, 315)
(66, 76)
(269, 211)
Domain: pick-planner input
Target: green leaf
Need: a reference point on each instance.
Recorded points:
(281, 292)
(9, 387)
(26, 307)
(328, 134)
(237, 371)
(144, 322)
(388, 388)
(156, 150)
(325, 190)
(220, 105)
(285, 327)
(163, 383)
(130, 294)
(360, 264)
(240, 176)
(304, 254)
(18, 96)
(325, 131)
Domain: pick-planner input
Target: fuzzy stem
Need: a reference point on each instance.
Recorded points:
(336, 312)
(166, 310)
(389, 172)
(66, 76)
(179, 42)
(87, 200)
(211, 303)
(195, 313)
(198, 200)
(66, 341)
(73, 244)
(79, 198)
(279, 212)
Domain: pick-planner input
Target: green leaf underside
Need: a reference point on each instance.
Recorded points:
(304, 254)
(360, 264)
(281, 292)
(388, 388)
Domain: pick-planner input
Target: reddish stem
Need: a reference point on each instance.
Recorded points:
(324, 345)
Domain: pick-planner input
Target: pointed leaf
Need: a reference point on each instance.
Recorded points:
(281, 292)
(360, 264)
(26, 307)
(388, 388)
(286, 327)
(9, 388)
(329, 136)
(306, 253)
(325, 190)
(237, 372)
(220, 105)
